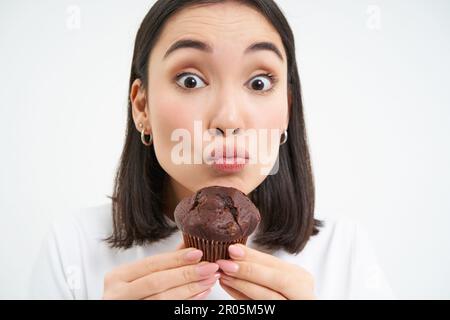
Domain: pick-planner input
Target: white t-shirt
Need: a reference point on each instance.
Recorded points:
(74, 259)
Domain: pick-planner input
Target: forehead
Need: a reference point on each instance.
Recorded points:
(219, 24)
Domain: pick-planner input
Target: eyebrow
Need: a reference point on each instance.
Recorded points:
(202, 46)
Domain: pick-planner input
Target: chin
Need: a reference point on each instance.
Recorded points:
(235, 181)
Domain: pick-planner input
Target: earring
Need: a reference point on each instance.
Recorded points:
(143, 136)
(284, 137)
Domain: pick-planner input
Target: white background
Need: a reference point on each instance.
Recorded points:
(375, 78)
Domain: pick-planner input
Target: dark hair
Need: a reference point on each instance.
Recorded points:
(285, 200)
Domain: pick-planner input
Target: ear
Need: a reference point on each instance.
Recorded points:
(139, 106)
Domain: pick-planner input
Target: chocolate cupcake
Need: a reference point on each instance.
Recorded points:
(215, 217)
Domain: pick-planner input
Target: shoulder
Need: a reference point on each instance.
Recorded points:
(343, 237)
(337, 233)
(80, 231)
(346, 245)
(344, 234)
(337, 244)
(339, 225)
(91, 222)
(333, 244)
(71, 240)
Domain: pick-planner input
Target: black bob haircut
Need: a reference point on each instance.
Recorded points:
(285, 200)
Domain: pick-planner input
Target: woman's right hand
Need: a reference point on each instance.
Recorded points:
(176, 275)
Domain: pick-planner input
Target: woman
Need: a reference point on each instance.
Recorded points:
(221, 68)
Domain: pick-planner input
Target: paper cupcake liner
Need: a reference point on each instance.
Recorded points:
(212, 250)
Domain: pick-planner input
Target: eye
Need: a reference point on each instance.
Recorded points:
(262, 81)
(188, 80)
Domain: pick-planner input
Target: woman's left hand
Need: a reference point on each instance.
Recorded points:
(251, 274)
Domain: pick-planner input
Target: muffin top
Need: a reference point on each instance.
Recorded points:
(217, 213)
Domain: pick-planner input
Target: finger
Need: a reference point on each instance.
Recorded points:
(241, 252)
(201, 296)
(164, 280)
(180, 246)
(251, 290)
(233, 292)
(148, 265)
(186, 291)
(274, 279)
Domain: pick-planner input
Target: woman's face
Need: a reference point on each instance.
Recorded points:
(224, 89)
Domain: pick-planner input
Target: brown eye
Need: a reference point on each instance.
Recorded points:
(189, 81)
(262, 83)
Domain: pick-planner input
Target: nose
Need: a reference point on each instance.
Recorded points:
(227, 116)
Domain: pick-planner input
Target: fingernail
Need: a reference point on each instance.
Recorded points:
(207, 269)
(193, 255)
(228, 266)
(236, 251)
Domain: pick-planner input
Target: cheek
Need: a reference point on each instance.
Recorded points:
(167, 115)
(167, 110)
(269, 123)
(272, 118)
(270, 112)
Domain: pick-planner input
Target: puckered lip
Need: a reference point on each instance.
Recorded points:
(228, 152)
